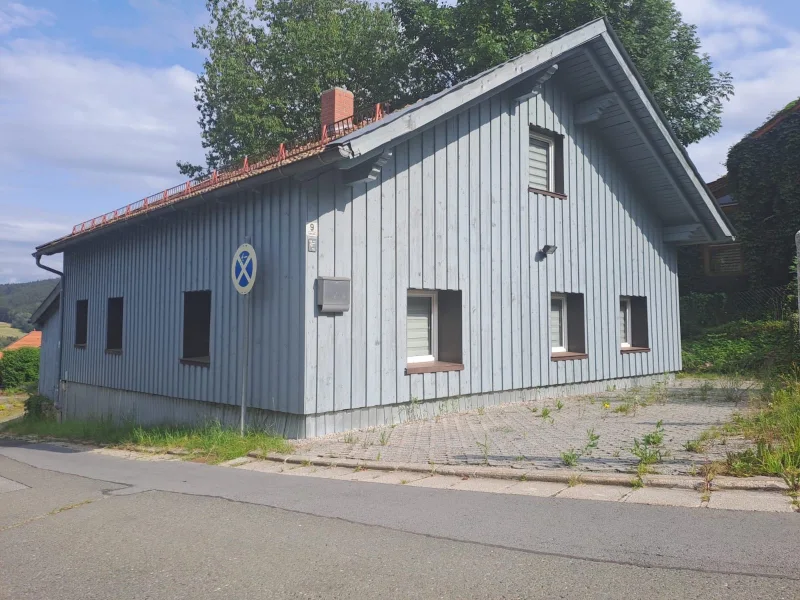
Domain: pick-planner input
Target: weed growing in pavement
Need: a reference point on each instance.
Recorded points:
(523, 477)
(349, 438)
(305, 463)
(546, 414)
(519, 458)
(378, 457)
(704, 390)
(484, 448)
(695, 446)
(637, 482)
(559, 405)
(358, 468)
(412, 410)
(533, 409)
(570, 457)
(383, 438)
(574, 480)
(650, 449)
(403, 481)
(481, 411)
(656, 393)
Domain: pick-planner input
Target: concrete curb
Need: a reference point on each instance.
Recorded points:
(566, 476)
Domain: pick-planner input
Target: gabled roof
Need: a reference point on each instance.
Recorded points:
(30, 340)
(591, 62)
(773, 122)
(41, 314)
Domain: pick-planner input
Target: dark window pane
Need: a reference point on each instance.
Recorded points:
(197, 325)
(114, 324)
(81, 322)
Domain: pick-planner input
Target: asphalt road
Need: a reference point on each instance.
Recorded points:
(92, 526)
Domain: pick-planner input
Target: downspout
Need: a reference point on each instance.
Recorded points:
(38, 258)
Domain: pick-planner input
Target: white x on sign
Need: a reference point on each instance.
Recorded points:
(243, 268)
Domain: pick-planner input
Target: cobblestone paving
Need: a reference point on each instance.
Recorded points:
(519, 434)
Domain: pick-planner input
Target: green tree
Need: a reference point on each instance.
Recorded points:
(268, 64)
(457, 41)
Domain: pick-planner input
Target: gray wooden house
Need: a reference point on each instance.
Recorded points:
(510, 237)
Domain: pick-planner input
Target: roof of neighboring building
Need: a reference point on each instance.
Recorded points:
(589, 60)
(41, 314)
(30, 340)
(775, 120)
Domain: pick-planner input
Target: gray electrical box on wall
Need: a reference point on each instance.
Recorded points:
(333, 294)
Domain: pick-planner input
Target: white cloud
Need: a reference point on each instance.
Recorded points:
(101, 131)
(14, 15)
(67, 110)
(764, 58)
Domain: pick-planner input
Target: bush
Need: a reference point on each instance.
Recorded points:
(39, 407)
(758, 347)
(19, 367)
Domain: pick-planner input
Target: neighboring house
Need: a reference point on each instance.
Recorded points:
(511, 237)
(47, 319)
(715, 267)
(29, 340)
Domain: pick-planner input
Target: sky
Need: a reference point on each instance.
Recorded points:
(96, 103)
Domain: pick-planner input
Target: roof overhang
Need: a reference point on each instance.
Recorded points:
(611, 97)
(41, 314)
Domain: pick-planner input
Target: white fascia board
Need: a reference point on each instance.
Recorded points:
(699, 186)
(471, 90)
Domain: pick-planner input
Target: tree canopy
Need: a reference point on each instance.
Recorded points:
(268, 64)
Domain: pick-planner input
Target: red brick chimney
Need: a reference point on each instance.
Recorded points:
(337, 104)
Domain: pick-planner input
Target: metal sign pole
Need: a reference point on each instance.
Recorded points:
(246, 361)
(243, 273)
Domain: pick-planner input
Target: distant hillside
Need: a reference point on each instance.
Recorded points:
(19, 300)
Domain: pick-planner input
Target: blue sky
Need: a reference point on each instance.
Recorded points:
(96, 102)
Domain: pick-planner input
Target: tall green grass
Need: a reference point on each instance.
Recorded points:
(212, 442)
(774, 424)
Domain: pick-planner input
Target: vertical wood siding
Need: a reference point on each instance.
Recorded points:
(451, 211)
(48, 356)
(152, 264)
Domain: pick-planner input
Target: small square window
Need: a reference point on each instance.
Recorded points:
(633, 329)
(197, 326)
(567, 329)
(114, 325)
(433, 331)
(81, 322)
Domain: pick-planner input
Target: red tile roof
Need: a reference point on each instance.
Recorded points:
(31, 340)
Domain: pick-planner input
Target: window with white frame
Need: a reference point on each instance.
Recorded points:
(540, 161)
(422, 326)
(625, 321)
(633, 329)
(558, 323)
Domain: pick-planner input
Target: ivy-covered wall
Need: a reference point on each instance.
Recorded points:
(764, 177)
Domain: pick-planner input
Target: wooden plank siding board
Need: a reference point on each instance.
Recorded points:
(450, 210)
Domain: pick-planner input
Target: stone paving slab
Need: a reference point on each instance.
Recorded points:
(436, 481)
(665, 497)
(518, 435)
(751, 501)
(535, 488)
(496, 486)
(606, 493)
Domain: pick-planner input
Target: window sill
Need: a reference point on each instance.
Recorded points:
(557, 356)
(81, 346)
(633, 350)
(558, 195)
(203, 361)
(115, 352)
(432, 367)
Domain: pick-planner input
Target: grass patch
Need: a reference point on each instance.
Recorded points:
(773, 423)
(212, 443)
(7, 331)
(743, 347)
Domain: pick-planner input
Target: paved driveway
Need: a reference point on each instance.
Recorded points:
(527, 436)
